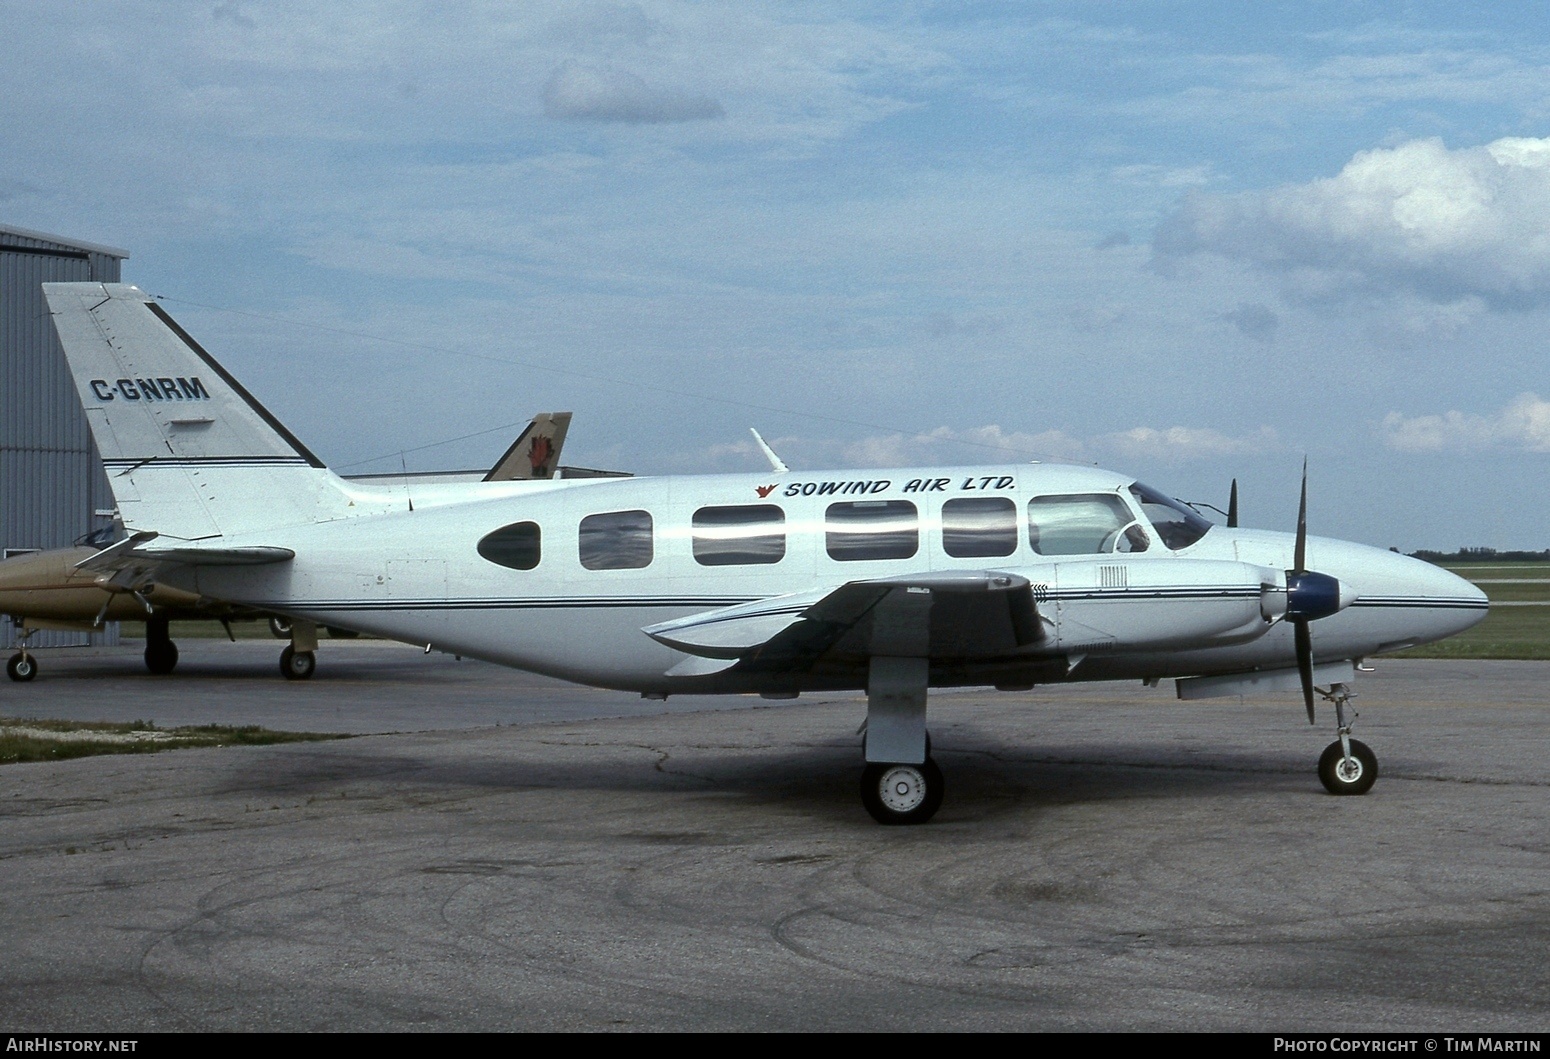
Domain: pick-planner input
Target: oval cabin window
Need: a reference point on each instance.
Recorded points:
(517, 546)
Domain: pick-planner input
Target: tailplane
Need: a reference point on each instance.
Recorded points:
(188, 451)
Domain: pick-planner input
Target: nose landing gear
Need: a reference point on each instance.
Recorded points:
(1347, 766)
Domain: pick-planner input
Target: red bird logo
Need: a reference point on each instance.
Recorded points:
(763, 490)
(539, 454)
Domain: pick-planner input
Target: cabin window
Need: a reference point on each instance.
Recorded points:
(517, 546)
(871, 529)
(1083, 524)
(1176, 525)
(744, 535)
(616, 540)
(979, 527)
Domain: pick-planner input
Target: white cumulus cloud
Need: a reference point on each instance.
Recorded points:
(1523, 424)
(1419, 217)
(581, 93)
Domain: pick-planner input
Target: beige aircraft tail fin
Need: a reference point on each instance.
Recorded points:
(536, 452)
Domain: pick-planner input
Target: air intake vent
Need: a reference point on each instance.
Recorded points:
(1113, 577)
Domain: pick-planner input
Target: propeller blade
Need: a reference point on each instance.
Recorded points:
(1232, 506)
(1300, 564)
(1305, 664)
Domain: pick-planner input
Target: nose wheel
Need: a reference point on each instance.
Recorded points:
(1347, 766)
(1352, 771)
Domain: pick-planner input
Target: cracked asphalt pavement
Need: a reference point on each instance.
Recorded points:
(499, 851)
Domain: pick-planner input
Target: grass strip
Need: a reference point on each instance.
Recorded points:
(33, 739)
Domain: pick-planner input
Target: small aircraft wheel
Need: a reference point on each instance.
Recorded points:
(902, 794)
(297, 665)
(280, 628)
(340, 634)
(22, 667)
(1340, 776)
(161, 657)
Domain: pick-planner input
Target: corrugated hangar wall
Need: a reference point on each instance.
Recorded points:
(52, 486)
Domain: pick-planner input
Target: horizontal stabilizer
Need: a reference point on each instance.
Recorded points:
(130, 553)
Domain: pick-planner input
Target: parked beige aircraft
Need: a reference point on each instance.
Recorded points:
(57, 589)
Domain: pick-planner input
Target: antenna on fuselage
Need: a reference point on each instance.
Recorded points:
(775, 461)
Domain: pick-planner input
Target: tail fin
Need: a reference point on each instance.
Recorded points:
(536, 452)
(189, 453)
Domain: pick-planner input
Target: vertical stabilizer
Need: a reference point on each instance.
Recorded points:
(189, 452)
(536, 452)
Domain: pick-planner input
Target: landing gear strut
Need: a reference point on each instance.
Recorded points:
(22, 666)
(900, 784)
(298, 661)
(161, 654)
(1347, 766)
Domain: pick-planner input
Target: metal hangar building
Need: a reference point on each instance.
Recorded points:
(52, 486)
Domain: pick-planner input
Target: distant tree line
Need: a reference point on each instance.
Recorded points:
(1482, 555)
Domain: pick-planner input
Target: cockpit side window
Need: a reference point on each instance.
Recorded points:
(1176, 525)
(1083, 524)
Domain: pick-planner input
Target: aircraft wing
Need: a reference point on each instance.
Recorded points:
(960, 615)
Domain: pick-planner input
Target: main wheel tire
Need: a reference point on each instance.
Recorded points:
(1354, 777)
(902, 794)
(297, 665)
(21, 668)
(280, 628)
(161, 657)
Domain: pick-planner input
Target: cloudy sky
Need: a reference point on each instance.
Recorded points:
(1188, 240)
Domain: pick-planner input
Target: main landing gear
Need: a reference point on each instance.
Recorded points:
(298, 661)
(22, 666)
(1347, 766)
(900, 784)
(902, 794)
(161, 654)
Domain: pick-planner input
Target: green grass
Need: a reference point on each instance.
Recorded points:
(1507, 632)
(31, 739)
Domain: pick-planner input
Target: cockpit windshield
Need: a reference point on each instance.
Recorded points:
(1176, 525)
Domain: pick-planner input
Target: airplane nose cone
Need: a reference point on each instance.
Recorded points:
(1435, 603)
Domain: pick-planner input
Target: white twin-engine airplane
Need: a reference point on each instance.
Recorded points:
(892, 581)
